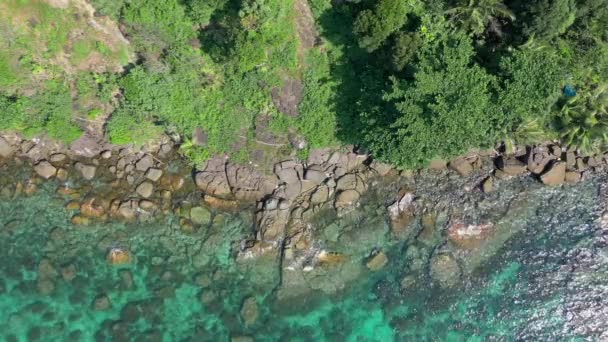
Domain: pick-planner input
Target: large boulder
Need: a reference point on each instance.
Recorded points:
(555, 175)
(213, 180)
(462, 166)
(512, 166)
(346, 199)
(45, 169)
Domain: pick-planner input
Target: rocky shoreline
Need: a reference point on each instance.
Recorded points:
(303, 210)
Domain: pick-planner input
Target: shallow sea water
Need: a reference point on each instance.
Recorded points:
(549, 281)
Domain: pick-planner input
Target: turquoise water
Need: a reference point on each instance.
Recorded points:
(547, 281)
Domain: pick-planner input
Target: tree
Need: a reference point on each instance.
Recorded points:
(374, 26)
(475, 15)
(547, 19)
(446, 110)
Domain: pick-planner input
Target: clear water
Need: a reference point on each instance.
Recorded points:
(546, 280)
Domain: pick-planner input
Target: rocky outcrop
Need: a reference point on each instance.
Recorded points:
(6, 149)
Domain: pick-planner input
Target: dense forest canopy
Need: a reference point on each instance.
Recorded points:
(410, 80)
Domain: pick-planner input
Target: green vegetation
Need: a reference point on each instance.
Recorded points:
(411, 80)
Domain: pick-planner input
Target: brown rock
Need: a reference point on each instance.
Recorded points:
(144, 163)
(250, 311)
(62, 175)
(118, 256)
(462, 166)
(556, 174)
(145, 189)
(346, 199)
(221, 204)
(315, 176)
(45, 169)
(6, 150)
(87, 171)
(79, 220)
(512, 166)
(347, 182)
(573, 177)
(154, 174)
(438, 164)
(320, 195)
(570, 159)
(377, 262)
(487, 185)
(199, 138)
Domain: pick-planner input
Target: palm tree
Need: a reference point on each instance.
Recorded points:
(584, 120)
(476, 15)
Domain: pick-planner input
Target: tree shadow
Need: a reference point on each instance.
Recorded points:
(361, 77)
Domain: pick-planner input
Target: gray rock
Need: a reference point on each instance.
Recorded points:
(144, 163)
(45, 169)
(315, 176)
(346, 198)
(288, 176)
(321, 195)
(347, 182)
(87, 171)
(58, 158)
(145, 189)
(154, 174)
(6, 150)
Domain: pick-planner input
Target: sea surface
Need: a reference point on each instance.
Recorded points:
(547, 282)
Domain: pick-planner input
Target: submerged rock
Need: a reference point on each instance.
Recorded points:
(377, 262)
(200, 215)
(102, 303)
(118, 256)
(444, 269)
(250, 311)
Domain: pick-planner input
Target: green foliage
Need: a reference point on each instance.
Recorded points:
(474, 16)
(129, 128)
(583, 120)
(405, 50)
(49, 111)
(156, 25)
(201, 11)
(443, 112)
(550, 18)
(375, 26)
(533, 79)
(317, 121)
(7, 74)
